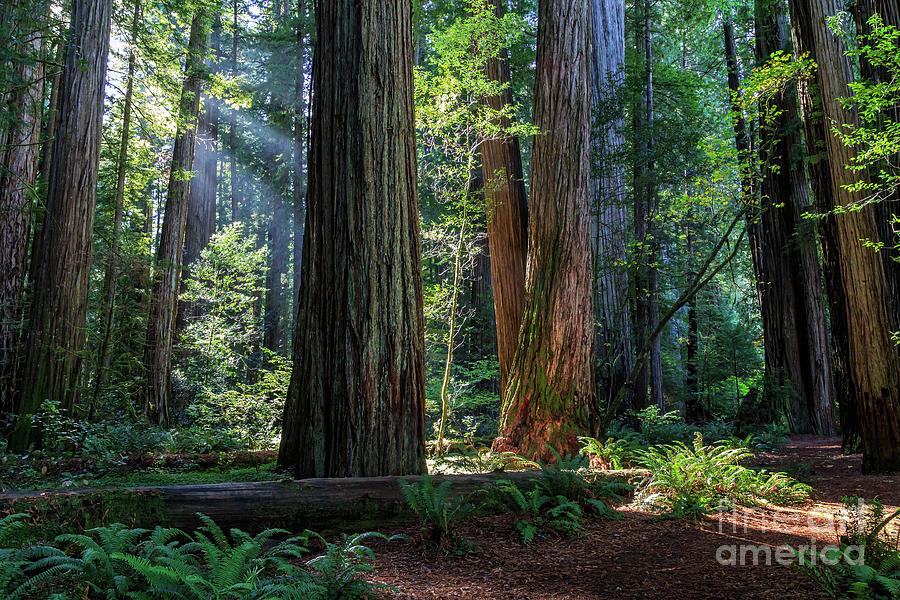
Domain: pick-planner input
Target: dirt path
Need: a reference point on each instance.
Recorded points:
(639, 557)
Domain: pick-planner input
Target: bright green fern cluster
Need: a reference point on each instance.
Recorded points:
(117, 562)
(692, 480)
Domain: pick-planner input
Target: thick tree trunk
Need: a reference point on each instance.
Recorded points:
(610, 224)
(507, 219)
(550, 397)
(167, 270)
(889, 207)
(858, 286)
(299, 163)
(112, 261)
(19, 146)
(790, 292)
(356, 402)
(60, 266)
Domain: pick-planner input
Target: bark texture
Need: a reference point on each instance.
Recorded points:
(791, 299)
(610, 223)
(167, 270)
(112, 260)
(19, 151)
(356, 401)
(858, 287)
(507, 220)
(61, 260)
(550, 398)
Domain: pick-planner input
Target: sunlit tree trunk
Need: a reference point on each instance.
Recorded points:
(610, 224)
(19, 145)
(792, 305)
(550, 397)
(356, 401)
(858, 288)
(112, 261)
(299, 162)
(507, 219)
(167, 270)
(61, 262)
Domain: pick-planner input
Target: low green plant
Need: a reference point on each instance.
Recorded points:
(611, 454)
(537, 512)
(872, 571)
(116, 562)
(479, 461)
(571, 478)
(691, 480)
(340, 568)
(439, 514)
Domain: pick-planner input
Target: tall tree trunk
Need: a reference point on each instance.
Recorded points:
(792, 305)
(201, 217)
(858, 289)
(299, 163)
(610, 225)
(550, 397)
(507, 218)
(167, 270)
(50, 117)
(235, 194)
(646, 277)
(278, 262)
(61, 263)
(19, 144)
(356, 402)
(888, 209)
(112, 261)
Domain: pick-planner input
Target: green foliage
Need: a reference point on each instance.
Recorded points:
(692, 480)
(611, 454)
(538, 512)
(876, 138)
(866, 565)
(439, 514)
(340, 569)
(479, 461)
(116, 562)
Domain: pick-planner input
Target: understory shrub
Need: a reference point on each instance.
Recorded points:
(439, 514)
(537, 511)
(873, 569)
(691, 480)
(117, 562)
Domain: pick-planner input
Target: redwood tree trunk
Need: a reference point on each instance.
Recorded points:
(201, 217)
(858, 287)
(167, 271)
(19, 145)
(507, 220)
(61, 263)
(790, 292)
(299, 162)
(610, 223)
(356, 402)
(112, 261)
(550, 398)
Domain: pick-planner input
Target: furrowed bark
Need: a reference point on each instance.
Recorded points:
(550, 398)
(356, 401)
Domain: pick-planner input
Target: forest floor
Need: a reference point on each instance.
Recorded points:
(642, 557)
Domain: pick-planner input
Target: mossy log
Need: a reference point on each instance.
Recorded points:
(334, 504)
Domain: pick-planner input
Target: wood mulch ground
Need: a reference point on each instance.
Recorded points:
(640, 557)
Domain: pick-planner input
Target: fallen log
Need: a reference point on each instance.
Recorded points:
(333, 504)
